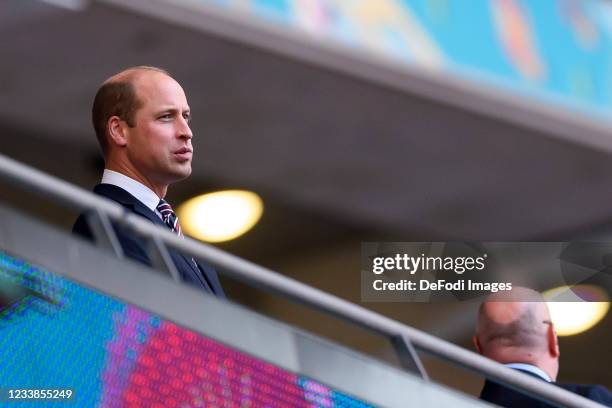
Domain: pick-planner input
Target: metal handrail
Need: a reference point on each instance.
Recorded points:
(81, 200)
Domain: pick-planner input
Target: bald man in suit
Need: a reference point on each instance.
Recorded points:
(515, 329)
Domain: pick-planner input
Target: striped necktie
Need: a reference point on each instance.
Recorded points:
(169, 217)
(172, 222)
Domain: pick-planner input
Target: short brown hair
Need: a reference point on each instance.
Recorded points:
(117, 97)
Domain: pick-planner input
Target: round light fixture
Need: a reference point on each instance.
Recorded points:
(577, 308)
(220, 216)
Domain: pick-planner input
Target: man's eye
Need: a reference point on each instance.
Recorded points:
(167, 116)
(187, 117)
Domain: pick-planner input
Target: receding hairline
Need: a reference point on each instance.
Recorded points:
(118, 96)
(133, 72)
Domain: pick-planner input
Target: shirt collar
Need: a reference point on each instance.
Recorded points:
(143, 193)
(531, 368)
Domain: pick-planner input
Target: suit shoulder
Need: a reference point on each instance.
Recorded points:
(594, 392)
(81, 227)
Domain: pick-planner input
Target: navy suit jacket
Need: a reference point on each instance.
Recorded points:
(203, 276)
(506, 397)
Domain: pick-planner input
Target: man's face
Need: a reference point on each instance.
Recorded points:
(159, 145)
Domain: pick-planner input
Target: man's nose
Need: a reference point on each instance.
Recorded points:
(184, 130)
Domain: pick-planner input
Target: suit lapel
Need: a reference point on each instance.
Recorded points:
(127, 200)
(132, 203)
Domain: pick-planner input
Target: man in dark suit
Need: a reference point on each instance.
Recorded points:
(515, 329)
(141, 118)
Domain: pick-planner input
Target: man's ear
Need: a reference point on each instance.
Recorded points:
(553, 341)
(117, 131)
(477, 344)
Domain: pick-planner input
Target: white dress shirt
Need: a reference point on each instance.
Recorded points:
(143, 193)
(531, 368)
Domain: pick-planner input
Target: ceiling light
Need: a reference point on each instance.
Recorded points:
(576, 309)
(220, 216)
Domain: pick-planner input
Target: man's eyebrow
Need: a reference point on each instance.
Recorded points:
(172, 110)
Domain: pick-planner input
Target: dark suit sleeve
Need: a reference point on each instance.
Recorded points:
(211, 276)
(600, 394)
(132, 247)
(503, 396)
(202, 276)
(597, 393)
(509, 398)
(603, 395)
(81, 227)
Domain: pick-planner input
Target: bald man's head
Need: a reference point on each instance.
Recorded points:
(516, 326)
(513, 319)
(117, 96)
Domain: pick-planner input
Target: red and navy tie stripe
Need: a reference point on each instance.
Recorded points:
(169, 217)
